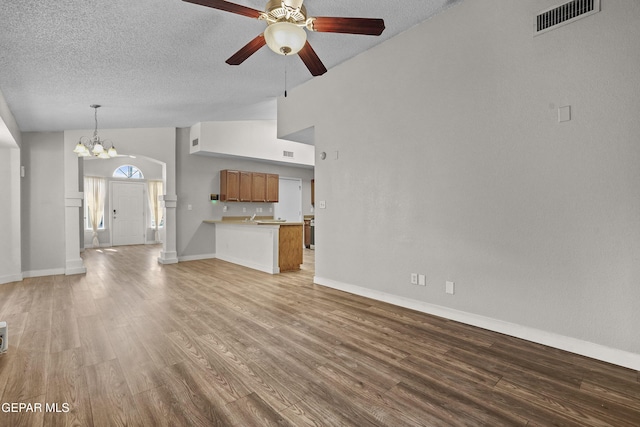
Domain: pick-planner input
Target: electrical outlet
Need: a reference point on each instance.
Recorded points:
(244, 209)
(414, 278)
(422, 280)
(450, 287)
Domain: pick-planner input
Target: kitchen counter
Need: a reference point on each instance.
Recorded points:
(255, 222)
(265, 245)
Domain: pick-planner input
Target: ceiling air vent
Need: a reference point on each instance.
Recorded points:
(560, 15)
(287, 154)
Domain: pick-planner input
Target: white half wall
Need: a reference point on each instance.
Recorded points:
(450, 161)
(255, 139)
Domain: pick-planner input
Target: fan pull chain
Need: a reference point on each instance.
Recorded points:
(285, 77)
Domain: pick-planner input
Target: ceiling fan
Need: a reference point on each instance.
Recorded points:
(285, 34)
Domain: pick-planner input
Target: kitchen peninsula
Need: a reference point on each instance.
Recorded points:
(264, 244)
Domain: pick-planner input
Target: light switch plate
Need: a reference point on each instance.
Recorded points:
(564, 114)
(322, 204)
(422, 280)
(450, 287)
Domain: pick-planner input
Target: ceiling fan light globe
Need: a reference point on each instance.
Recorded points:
(285, 38)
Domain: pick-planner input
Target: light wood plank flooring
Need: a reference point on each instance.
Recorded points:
(208, 343)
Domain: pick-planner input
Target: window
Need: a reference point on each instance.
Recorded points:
(94, 189)
(87, 220)
(129, 172)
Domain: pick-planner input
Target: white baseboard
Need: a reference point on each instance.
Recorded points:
(11, 278)
(247, 263)
(168, 257)
(41, 273)
(196, 257)
(573, 345)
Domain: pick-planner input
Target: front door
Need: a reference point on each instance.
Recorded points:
(127, 213)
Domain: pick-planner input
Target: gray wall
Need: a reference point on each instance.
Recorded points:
(10, 250)
(42, 213)
(198, 177)
(452, 163)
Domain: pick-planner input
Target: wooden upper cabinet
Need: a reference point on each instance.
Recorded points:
(258, 187)
(245, 186)
(229, 186)
(273, 186)
(241, 186)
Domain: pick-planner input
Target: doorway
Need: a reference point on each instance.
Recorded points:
(127, 213)
(289, 206)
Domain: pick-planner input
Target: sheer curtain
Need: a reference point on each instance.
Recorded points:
(155, 190)
(94, 188)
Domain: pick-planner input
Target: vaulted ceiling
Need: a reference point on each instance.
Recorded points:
(161, 63)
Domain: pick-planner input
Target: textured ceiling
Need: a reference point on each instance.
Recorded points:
(157, 63)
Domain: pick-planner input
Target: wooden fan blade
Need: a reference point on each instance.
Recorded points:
(249, 49)
(365, 26)
(311, 60)
(228, 7)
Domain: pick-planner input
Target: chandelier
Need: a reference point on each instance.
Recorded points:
(94, 146)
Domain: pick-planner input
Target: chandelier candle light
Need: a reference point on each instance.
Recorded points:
(94, 146)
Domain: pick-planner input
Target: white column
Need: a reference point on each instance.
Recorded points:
(74, 264)
(169, 255)
(72, 205)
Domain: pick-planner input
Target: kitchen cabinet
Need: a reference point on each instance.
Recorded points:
(258, 187)
(273, 185)
(229, 186)
(243, 186)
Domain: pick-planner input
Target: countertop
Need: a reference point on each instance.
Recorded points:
(259, 222)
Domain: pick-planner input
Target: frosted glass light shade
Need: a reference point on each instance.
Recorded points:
(81, 149)
(285, 38)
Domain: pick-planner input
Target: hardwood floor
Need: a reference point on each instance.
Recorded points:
(208, 343)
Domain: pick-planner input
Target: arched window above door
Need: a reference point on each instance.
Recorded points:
(129, 172)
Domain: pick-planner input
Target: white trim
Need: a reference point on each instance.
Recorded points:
(42, 273)
(196, 257)
(11, 278)
(74, 266)
(573, 345)
(271, 269)
(168, 257)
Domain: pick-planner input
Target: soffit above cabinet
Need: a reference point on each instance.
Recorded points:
(254, 140)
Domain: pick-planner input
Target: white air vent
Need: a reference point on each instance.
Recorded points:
(556, 16)
(287, 154)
